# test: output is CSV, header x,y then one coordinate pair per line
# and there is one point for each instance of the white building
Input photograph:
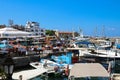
x,y
35,28
9,32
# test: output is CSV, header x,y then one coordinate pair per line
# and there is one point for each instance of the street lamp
x,y
8,67
72,78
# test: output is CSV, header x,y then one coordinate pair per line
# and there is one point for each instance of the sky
x,y
94,17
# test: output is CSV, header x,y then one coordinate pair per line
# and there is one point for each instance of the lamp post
x,y
72,78
8,67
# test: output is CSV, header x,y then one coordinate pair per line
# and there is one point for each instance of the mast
x,y
103,32
73,33
10,22
96,32
81,32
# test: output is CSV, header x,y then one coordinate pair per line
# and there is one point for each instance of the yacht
x,y
89,49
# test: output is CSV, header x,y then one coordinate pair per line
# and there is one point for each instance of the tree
x,y
50,32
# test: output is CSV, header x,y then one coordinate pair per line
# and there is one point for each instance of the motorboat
x,y
89,49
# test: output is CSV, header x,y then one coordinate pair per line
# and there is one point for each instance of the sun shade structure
x,y
88,70
11,32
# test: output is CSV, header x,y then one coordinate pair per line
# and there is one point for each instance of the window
x,y
31,26
36,30
41,33
42,30
36,33
32,30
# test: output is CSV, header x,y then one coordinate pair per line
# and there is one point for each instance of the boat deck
x,y
28,74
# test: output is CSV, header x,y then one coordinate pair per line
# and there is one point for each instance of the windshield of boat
x,y
86,45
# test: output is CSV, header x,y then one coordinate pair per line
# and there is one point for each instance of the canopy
x,y
11,32
88,70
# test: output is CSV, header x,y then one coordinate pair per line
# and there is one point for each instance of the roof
x,y
11,31
88,70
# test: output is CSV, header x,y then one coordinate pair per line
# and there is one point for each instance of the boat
x,y
89,49
50,68
28,74
82,48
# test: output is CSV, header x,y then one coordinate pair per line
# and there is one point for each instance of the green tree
x,y
50,32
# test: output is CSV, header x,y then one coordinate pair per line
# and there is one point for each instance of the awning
x,y
88,70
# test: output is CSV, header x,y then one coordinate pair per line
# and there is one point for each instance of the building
x,y
64,35
35,29
9,32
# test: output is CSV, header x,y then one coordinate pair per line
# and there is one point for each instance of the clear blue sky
x,y
65,15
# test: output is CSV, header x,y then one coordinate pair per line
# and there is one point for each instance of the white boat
x,y
89,49
50,65
102,53
28,74
39,65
